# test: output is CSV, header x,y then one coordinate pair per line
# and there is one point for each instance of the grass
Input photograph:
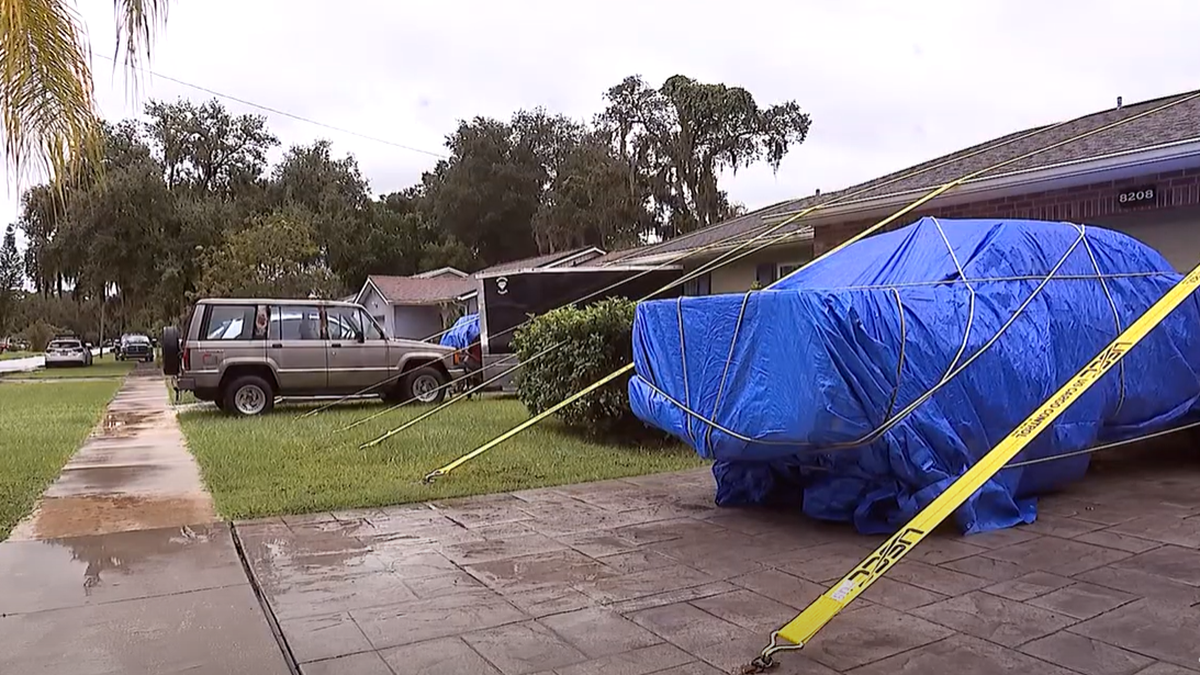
x,y
106,369
277,464
40,427
5,356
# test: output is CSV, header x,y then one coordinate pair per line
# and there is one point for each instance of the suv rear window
x,y
64,344
229,322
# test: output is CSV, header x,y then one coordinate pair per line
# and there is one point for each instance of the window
x,y
764,274
701,285
229,322
374,332
345,323
294,322
785,269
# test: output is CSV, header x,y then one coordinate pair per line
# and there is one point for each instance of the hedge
x,y
592,342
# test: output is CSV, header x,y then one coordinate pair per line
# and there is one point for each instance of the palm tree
x,y
46,100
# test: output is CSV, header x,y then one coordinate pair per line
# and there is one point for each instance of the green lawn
x,y
106,369
277,464
5,356
41,425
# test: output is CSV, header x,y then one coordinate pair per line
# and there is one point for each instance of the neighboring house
x,y
414,307
1142,178
423,305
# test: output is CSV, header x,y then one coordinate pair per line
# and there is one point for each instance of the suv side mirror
x,y
360,336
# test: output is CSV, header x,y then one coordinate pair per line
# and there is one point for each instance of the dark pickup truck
x,y
135,348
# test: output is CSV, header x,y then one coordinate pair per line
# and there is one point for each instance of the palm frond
x,y
47,104
46,97
137,23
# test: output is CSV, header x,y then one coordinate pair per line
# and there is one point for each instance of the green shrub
x,y
39,334
596,340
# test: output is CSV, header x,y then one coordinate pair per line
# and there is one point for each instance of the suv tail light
x,y
187,358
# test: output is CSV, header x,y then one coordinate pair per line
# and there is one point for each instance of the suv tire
x,y
170,351
248,395
426,385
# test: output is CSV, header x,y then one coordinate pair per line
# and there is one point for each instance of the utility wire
x,y
284,113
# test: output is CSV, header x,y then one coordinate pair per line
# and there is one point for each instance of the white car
x,y
67,353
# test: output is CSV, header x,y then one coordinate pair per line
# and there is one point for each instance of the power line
x,y
284,113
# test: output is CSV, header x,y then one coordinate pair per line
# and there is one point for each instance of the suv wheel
x,y
425,385
248,395
171,351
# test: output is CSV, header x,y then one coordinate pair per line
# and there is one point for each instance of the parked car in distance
x,y
243,353
67,352
134,347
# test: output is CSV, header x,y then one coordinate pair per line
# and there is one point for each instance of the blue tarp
x,y
463,333
794,375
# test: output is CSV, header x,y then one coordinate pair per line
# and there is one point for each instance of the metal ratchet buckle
x,y
766,661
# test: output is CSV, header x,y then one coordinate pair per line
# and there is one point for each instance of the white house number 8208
x,y
1134,196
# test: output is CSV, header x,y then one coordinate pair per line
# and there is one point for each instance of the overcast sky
x,y
888,84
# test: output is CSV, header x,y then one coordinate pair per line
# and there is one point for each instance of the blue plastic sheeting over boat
x,y
463,333
860,387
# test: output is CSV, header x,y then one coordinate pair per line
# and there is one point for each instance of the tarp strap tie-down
x,y
737,328
891,421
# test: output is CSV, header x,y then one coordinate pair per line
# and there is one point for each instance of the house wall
x,y
379,308
739,275
417,322
736,277
1171,224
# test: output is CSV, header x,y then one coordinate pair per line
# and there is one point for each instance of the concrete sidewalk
x,y
172,600
121,567
133,472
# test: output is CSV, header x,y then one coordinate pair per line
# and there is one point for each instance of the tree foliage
x,y
184,201
677,139
12,274
272,256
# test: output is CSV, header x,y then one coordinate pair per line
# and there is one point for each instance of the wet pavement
x,y
27,364
133,472
170,600
121,567
645,575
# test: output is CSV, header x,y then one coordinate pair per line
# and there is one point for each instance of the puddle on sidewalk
x,y
73,571
123,424
59,517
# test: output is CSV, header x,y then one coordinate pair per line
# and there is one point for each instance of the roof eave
x,y
1130,161
803,235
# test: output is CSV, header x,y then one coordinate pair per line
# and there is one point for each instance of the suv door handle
x,y
336,344
276,345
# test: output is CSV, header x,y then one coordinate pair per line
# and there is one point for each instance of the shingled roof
x,y
445,284
1173,125
421,290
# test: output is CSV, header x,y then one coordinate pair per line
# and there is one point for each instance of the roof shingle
x,y
422,291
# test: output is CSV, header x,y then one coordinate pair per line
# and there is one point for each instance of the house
x,y
423,305
1141,178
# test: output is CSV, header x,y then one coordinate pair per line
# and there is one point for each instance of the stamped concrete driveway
x,y
644,575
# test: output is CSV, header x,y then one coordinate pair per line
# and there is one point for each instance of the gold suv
x,y
243,353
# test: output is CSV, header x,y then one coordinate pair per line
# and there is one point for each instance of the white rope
x,y
1116,321
970,303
